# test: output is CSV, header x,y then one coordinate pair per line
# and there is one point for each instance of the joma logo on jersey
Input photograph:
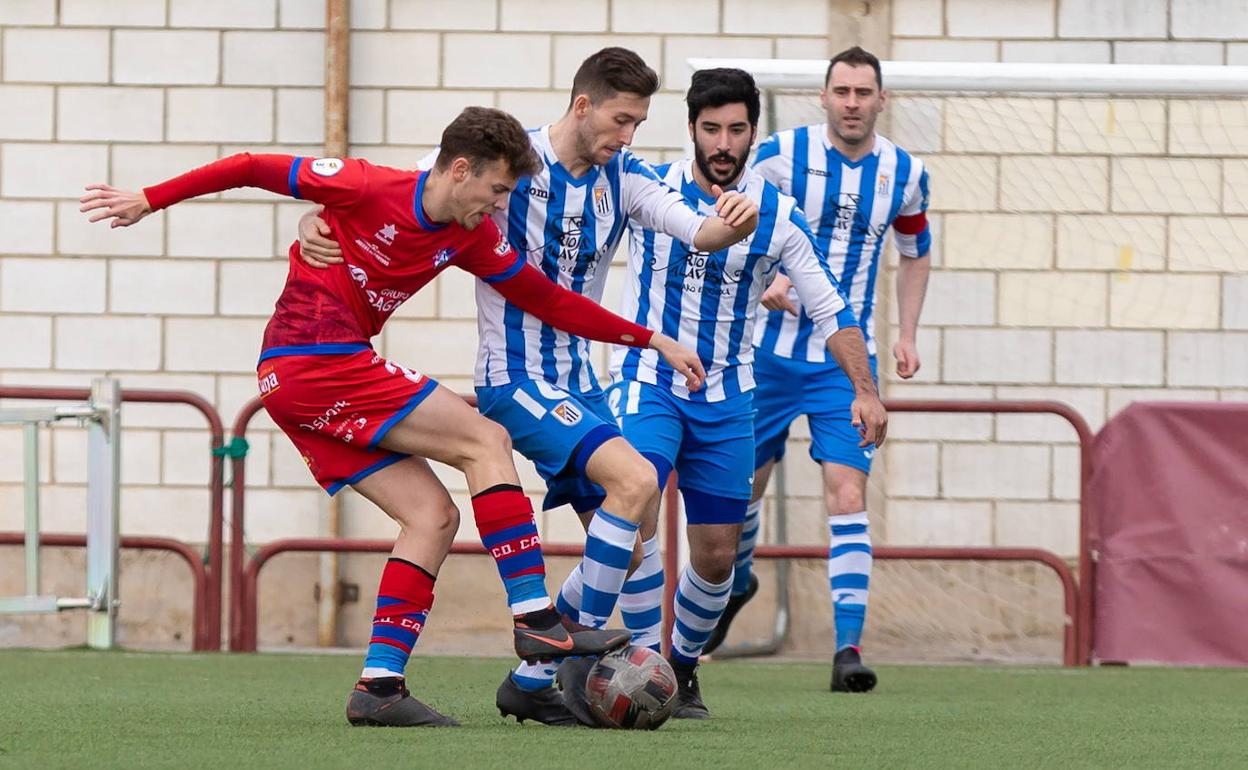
x,y
566,413
538,193
268,382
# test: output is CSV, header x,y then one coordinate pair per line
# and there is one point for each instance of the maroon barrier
x,y
208,621
1171,534
199,576
1077,646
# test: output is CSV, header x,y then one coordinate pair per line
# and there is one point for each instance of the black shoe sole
x,y
855,681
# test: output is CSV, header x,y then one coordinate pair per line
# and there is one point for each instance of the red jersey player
x,y
359,419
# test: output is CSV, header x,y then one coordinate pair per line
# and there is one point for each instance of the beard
x,y
704,165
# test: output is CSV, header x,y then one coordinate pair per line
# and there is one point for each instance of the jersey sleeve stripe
x,y
293,179
510,272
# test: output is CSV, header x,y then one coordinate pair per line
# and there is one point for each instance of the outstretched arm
x,y
338,182
532,292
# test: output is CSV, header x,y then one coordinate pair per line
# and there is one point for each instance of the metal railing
x,y
207,623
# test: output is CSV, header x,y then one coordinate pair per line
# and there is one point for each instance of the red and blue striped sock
x,y
403,601
504,518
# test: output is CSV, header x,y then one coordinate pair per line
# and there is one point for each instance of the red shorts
x,y
337,407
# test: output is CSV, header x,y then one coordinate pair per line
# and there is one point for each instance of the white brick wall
x,y
50,170
221,230
997,355
1112,19
394,59
560,15
223,13
497,60
131,13
28,12
28,342
56,55
1004,18
174,57
162,287
108,342
109,114
28,112
273,58
1109,357
440,14
212,344
52,285
27,227
221,114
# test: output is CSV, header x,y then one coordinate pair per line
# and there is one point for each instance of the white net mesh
x,y
1087,248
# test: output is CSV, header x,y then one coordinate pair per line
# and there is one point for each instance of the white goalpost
x,y
1090,227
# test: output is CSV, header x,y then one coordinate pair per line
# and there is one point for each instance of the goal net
x,y
1090,231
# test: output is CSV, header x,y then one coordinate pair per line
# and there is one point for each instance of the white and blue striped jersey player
x,y
707,301
849,206
537,381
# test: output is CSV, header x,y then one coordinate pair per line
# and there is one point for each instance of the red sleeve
x,y
534,293
491,258
332,181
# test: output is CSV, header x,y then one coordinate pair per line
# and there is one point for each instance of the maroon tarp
x,y
1169,494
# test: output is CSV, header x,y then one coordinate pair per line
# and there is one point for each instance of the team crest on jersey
x,y
327,166
502,247
443,256
602,201
387,234
881,187
567,413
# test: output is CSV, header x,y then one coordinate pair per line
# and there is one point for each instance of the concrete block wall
x,y
1090,256
1090,249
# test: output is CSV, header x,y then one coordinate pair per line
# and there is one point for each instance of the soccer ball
x,y
631,689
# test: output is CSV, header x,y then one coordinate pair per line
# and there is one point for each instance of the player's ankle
x,y
544,618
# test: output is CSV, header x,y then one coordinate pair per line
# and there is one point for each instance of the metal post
x,y
31,431
103,468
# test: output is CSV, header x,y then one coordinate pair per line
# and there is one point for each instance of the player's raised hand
x,y
122,206
870,418
907,354
735,209
682,359
776,297
316,247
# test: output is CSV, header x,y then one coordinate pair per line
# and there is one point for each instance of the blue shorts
x,y
709,444
786,388
558,431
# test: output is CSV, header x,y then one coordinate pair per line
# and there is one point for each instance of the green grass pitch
x,y
77,708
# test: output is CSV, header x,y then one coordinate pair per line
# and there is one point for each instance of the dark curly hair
x,y
483,135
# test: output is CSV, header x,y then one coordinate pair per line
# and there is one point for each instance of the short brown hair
x,y
483,135
856,57
611,71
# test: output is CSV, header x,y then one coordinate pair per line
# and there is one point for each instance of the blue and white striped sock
x,y
532,677
568,602
641,599
608,549
699,604
849,575
745,548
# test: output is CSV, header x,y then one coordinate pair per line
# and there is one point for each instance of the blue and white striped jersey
x,y
850,207
569,228
707,300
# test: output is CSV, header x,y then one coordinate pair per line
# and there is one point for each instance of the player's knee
x,y
634,490
446,519
487,439
846,498
715,560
